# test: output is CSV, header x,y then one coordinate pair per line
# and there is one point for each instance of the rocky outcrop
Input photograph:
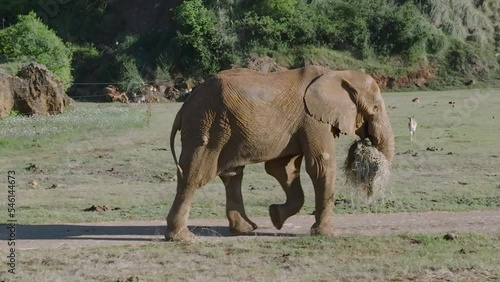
x,y
418,78
6,97
34,91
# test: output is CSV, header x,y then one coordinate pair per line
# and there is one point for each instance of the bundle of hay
x,y
367,168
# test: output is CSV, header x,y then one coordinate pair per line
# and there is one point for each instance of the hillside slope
x,y
404,44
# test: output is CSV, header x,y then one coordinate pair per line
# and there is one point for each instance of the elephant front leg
x,y
321,169
235,210
287,172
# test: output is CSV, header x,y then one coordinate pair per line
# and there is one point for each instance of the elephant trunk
x,y
382,138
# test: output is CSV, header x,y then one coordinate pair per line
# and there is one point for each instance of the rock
x,y
450,236
6,97
96,208
421,82
114,94
34,91
53,186
33,184
470,82
178,93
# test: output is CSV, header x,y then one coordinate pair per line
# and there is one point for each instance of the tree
x,y
194,35
31,40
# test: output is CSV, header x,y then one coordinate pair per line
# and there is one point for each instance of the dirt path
x,y
77,235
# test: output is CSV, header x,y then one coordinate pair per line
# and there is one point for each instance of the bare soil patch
x,y
50,236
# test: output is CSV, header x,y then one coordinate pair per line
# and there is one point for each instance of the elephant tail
x,y
176,127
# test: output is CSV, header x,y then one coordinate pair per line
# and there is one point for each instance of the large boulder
x,y
34,91
6,97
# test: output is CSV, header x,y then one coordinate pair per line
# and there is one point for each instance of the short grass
x,y
107,154
424,257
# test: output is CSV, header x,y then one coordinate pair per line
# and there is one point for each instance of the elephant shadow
x,y
223,231
122,232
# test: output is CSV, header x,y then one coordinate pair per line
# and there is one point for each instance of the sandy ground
x,y
77,235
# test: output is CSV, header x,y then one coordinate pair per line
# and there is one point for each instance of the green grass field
x,y
354,258
108,155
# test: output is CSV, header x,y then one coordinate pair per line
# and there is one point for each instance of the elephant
x,y
240,116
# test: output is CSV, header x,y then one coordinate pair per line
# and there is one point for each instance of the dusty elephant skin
x,y
241,116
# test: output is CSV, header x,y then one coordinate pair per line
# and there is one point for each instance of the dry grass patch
x,y
367,168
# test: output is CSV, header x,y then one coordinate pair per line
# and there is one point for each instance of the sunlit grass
x,y
21,131
471,257
106,155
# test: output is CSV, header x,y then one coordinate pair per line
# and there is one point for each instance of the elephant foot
x,y
242,227
276,218
179,235
322,230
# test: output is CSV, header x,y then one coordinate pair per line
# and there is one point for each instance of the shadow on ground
x,y
118,233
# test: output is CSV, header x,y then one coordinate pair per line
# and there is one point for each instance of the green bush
x,y
396,30
456,39
194,37
469,60
276,9
436,42
343,26
31,40
162,71
130,75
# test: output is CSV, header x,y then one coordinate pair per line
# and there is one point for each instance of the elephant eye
x,y
375,109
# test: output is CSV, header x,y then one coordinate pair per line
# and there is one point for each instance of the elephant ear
x,y
330,99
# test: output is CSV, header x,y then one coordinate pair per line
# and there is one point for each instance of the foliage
x,y
14,113
11,68
464,19
343,27
163,69
130,75
276,9
396,30
9,10
205,36
195,36
30,39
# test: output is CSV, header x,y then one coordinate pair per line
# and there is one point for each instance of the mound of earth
x,y
33,91
417,78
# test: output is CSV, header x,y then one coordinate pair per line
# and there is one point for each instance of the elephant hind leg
x,y
177,228
199,167
287,171
235,210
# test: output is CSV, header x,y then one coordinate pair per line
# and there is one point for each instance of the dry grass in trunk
x,y
368,169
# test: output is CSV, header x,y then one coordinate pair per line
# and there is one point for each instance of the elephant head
x,y
351,102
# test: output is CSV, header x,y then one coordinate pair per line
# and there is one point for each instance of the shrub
x,y
162,72
31,40
467,59
395,30
129,75
194,36
436,42
276,9
343,26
